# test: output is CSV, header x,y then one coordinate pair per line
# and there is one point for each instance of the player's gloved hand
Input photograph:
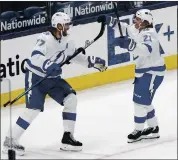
x,y
97,63
101,18
51,68
127,43
110,21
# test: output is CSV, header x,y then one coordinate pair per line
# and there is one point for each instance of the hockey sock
x,y
151,118
69,113
23,122
69,121
140,116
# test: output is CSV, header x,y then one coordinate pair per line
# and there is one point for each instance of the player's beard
x,y
61,34
64,33
67,32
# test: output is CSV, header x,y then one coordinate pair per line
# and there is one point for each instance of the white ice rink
x,y
105,118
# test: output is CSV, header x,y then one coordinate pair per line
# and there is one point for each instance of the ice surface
x,y
105,118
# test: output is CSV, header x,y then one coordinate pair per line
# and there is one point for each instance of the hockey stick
x,y
67,61
117,15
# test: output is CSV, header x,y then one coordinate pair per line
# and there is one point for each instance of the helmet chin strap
x,y
61,31
59,38
139,26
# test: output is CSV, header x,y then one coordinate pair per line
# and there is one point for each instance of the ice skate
x,y
69,143
151,133
135,136
19,149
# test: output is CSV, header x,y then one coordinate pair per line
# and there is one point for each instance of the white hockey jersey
x,y
47,48
146,54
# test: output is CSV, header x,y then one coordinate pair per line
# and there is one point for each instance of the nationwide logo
x,y
5,26
13,67
88,9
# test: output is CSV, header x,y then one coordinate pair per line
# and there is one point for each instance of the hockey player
x,y
142,42
51,49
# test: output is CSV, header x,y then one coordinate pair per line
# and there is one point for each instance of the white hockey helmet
x,y
60,18
145,15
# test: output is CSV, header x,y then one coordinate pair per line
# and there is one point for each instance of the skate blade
x,y
17,152
66,147
152,136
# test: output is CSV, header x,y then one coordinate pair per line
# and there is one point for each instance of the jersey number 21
x,y
147,38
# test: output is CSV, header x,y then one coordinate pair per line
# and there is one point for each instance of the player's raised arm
x,y
87,61
112,22
149,72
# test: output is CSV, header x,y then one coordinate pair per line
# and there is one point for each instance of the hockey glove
x,y
51,68
97,63
110,21
127,43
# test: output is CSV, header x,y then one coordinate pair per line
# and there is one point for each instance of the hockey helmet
x,y
145,15
60,18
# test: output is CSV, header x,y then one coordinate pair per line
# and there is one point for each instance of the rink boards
x,y
120,66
